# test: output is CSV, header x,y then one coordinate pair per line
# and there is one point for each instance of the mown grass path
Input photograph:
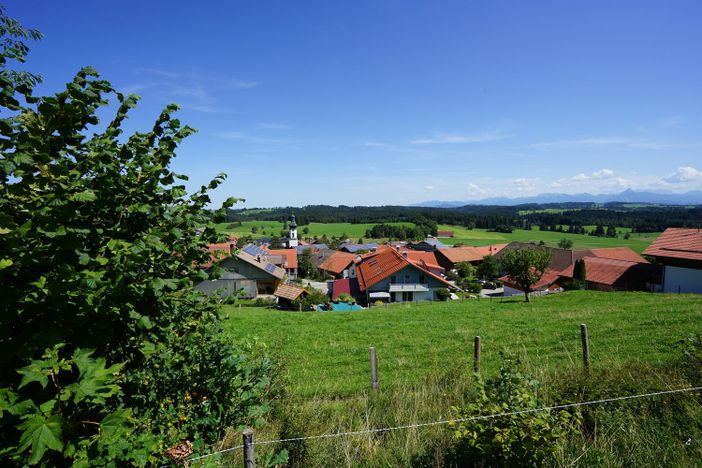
x,y
326,353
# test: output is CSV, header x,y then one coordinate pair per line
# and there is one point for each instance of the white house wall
x,y
682,280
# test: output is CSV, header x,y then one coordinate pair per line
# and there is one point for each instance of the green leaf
x,y
115,422
5,262
34,372
95,381
41,434
86,195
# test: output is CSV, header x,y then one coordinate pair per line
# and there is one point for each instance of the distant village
x,y
372,274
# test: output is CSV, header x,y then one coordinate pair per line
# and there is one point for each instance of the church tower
x,y
292,236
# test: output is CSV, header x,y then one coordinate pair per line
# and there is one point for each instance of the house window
x,y
421,279
407,279
407,296
393,279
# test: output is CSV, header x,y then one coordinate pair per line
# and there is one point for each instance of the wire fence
x,y
453,421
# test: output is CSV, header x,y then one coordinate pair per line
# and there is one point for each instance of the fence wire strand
x,y
450,421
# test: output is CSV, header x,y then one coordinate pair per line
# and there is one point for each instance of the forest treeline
x,y
652,218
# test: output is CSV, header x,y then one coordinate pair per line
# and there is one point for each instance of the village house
x,y
245,275
549,283
338,264
445,234
388,276
679,251
350,247
449,258
606,269
285,259
427,245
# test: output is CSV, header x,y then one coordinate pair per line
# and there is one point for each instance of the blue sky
x,y
396,102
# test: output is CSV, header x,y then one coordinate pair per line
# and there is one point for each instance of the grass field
x,y
326,354
478,237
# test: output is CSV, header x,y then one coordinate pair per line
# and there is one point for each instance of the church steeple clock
x,y
292,235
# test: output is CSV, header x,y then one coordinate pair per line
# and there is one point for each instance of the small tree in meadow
x,y
565,244
526,267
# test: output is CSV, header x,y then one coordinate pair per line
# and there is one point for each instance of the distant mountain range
x,y
627,196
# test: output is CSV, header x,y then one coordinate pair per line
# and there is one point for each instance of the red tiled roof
x,y
549,278
337,262
380,265
289,254
218,252
462,254
681,243
609,271
486,250
619,253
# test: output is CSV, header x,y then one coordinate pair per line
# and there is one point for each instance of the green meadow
x,y
476,237
425,368
326,354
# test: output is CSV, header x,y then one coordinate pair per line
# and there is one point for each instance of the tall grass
x,y
426,368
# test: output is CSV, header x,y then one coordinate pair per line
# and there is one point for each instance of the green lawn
x,y
478,237
326,354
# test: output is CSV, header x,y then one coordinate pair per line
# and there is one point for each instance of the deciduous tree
x,y
107,353
526,266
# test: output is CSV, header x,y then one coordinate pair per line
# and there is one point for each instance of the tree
x,y
489,268
465,270
99,251
611,231
526,267
579,274
565,244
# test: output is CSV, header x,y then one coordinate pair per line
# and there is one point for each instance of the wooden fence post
x,y
374,369
586,346
476,354
249,456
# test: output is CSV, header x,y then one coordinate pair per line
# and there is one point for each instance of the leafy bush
x,y
343,297
107,353
263,302
514,440
307,302
471,286
443,294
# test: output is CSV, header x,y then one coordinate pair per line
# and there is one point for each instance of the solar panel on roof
x,y
270,268
254,250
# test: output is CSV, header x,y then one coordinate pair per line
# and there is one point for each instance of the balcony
x,y
409,287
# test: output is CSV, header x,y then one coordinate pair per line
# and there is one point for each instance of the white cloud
x,y
524,184
428,187
475,189
684,174
444,138
602,174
